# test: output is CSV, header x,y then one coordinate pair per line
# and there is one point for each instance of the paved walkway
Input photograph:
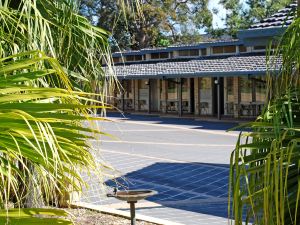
x,y
186,161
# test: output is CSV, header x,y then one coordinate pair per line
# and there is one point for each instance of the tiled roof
x,y
180,46
235,65
283,17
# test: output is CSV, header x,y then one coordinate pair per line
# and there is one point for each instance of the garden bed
x,y
90,217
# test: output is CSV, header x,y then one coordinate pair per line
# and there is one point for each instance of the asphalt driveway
x,y
186,161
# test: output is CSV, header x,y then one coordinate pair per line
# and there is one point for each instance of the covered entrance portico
x,y
227,87
232,96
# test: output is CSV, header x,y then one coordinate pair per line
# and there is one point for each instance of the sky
x,y
217,19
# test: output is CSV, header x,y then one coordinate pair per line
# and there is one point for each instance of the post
x,y
132,212
180,98
149,96
219,98
123,97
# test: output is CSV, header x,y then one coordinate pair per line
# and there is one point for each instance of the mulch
x,y
89,217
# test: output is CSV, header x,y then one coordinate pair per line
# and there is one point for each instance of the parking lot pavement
x,y
186,161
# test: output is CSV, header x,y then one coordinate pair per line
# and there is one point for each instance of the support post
x,y
219,98
149,96
132,212
180,97
136,95
123,97
196,95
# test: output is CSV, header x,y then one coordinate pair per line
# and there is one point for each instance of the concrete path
x,y
186,161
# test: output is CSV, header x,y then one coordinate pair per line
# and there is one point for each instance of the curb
x,y
192,117
121,213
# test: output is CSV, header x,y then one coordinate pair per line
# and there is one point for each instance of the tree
x,y
171,19
264,176
242,14
49,55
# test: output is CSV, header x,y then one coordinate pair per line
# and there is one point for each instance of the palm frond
x,y
42,136
264,179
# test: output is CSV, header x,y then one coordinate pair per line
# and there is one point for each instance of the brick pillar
x,y
196,93
164,96
236,95
136,95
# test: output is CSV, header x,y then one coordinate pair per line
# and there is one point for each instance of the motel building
x,y
218,79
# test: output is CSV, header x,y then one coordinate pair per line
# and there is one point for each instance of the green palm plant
x,y
265,166
49,55
57,29
42,139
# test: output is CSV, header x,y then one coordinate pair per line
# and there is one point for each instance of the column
x,y
236,94
189,95
136,95
149,96
196,94
164,96
179,97
158,94
123,96
219,98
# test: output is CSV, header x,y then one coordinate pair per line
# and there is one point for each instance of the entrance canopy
x,y
241,65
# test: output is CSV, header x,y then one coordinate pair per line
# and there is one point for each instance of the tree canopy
x,y
242,14
163,21
166,22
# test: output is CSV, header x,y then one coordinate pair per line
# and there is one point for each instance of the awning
x,y
202,67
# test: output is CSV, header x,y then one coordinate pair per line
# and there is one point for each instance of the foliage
x,y
55,28
43,140
161,20
242,14
264,179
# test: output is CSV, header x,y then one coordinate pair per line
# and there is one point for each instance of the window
x,y
129,58
246,89
217,50
183,53
116,59
194,52
138,58
172,89
205,93
191,52
259,47
260,89
143,92
163,55
203,51
160,55
127,85
154,55
185,89
229,95
230,49
224,49
242,48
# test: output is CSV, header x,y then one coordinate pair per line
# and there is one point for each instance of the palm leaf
x,y
42,135
264,178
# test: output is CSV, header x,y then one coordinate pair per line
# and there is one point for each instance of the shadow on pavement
x,y
196,187
208,125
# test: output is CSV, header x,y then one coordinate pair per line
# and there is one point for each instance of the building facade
x,y
220,78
